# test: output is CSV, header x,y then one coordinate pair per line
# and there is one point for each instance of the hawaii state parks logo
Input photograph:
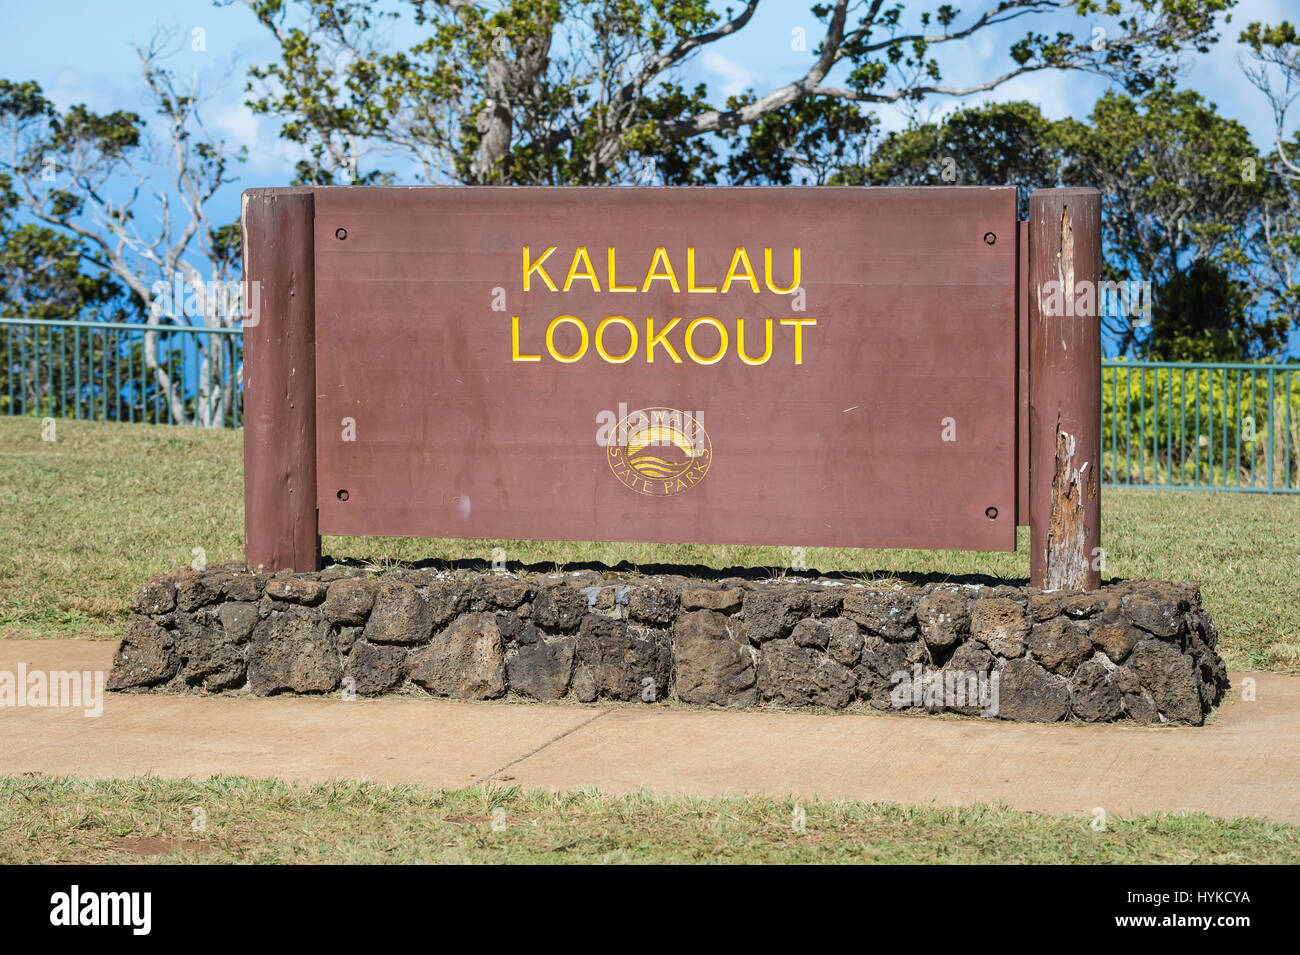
x,y
659,452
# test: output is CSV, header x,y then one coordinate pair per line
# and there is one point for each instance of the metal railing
x,y
113,371
1222,427
1201,426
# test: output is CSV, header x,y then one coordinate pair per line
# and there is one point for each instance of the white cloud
x,y
71,87
735,77
233,123
236,123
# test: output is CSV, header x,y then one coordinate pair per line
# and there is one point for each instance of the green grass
x,y
46,819
89,517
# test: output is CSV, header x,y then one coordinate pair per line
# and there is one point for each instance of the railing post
x,y
1065,388
280,526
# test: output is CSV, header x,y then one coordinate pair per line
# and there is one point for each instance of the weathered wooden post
x,y
280,525
1065,388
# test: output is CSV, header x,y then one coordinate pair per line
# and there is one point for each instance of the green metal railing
x,y
114,371
1207,427
1223,427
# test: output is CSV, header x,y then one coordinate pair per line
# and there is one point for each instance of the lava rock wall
x,y
1139,650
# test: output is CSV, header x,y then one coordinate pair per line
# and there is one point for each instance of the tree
x,y
1001,144
1203,313
1181,208
41,277
1171,173
809,142
83,174
584,91
1274,254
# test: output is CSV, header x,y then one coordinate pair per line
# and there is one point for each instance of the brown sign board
x,y
781,366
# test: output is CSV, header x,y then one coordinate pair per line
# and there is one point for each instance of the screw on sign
x,y
820,333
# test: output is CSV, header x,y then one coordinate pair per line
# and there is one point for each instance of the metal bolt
x,y
990,512
989,238
340,233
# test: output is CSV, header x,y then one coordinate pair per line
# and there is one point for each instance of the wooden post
x,y
280,527
1065,389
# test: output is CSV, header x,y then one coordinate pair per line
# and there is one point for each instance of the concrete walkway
x,y
1246,763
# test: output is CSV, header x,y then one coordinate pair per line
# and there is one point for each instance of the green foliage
x,y
45,141
589,91
1197,427
23,101
1005,144
808,143
1271,253
65,170
111,134
1171,171
1262,36
1202,313
672,162
1273,257
41,276
44,275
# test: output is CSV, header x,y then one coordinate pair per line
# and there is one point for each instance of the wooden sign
x,y
803,366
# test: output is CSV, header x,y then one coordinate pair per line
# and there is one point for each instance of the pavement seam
x,y
537,749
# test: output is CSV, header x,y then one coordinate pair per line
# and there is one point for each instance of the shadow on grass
x,y
697,571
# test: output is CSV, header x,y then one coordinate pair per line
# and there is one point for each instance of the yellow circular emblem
x,y
660,452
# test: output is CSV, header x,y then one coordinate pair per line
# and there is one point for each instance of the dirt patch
x,y
148,846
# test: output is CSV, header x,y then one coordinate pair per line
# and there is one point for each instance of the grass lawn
x,y
47,819
88,518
